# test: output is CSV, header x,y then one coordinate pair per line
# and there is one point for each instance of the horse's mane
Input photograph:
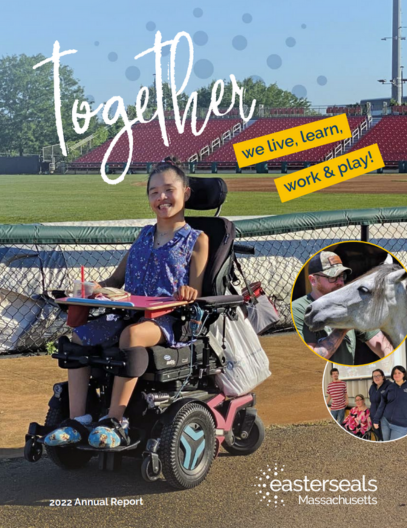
x,y
379,284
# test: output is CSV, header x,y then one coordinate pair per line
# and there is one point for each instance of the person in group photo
x,y
378,387
327,274
358,422
391,414
337,392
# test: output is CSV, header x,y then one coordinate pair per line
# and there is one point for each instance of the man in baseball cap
x,y
326,274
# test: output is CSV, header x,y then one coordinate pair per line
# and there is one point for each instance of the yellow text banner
x,y
292,140
329,173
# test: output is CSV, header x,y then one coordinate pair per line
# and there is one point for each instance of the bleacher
x,y
348,110
225,156
390,133
148,144
399,110
213,150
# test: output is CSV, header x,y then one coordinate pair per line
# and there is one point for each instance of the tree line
x,y
27,120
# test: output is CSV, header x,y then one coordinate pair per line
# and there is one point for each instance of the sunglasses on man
x,y
342,276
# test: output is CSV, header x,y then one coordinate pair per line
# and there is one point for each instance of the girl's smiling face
x,y
167,194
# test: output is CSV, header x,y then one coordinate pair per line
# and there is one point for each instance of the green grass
x,y
31,199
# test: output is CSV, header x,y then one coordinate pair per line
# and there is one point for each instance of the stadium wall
x,y
20,165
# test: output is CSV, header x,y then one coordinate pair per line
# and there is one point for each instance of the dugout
x,y
20,165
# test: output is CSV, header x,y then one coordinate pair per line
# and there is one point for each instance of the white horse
x,y
377,299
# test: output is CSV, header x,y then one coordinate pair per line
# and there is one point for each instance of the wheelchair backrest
x,y
221,233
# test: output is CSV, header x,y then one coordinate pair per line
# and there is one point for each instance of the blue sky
x,y
330,51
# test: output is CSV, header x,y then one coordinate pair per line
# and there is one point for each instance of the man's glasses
x,y
342,276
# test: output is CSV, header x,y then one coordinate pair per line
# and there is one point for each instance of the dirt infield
x,y
293,393
367,184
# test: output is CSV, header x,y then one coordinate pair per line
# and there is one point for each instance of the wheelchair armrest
x,y
220,301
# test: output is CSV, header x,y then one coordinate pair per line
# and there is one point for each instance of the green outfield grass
x,y
56,198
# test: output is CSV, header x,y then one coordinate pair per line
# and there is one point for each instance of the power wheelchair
x,y
178,416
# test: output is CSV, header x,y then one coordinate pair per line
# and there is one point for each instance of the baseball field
x,y
63,198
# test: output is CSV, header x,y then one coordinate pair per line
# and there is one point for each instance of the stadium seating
x,y
349,110
390,133
399,110
226,155
148,143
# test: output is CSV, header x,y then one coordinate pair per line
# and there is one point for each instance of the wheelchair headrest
x,y
206,193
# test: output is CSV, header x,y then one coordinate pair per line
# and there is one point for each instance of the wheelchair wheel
x,y
371,435
246,446
187,446
147,470
65,457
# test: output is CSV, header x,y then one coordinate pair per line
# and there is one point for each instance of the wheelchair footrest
x,y
35,429
119,449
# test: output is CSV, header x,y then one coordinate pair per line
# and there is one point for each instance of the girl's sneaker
x,y
69,432
109,433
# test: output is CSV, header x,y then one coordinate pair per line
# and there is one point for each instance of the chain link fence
x,y
34,260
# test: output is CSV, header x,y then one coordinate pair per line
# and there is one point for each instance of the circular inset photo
x,y
349,303
369,402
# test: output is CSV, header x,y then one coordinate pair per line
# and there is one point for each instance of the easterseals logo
x,y
264,488
272,490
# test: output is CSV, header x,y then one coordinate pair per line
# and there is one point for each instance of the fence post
x,y
365,233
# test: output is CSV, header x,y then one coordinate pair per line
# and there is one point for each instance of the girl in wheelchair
x,y
168,259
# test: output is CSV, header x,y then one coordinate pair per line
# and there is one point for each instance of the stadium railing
x,y
36,259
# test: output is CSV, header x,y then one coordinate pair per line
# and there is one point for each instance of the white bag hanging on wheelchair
x,y
246,363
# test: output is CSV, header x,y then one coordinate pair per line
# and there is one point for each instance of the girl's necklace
x,y
161,235
160,242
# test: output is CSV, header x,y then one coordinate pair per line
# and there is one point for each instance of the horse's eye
x,y
363,289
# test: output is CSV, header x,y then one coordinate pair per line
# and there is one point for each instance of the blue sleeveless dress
x,y
150,272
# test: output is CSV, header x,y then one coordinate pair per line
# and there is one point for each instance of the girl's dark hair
x,y
171,162
377,370
401,369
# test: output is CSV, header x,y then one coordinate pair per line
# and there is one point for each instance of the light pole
x,y
397,83
396,51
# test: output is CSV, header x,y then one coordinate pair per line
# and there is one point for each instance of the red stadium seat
x,y
263,127
148,144
390,133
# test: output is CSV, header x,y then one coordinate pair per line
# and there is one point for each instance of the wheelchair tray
x,y
152,306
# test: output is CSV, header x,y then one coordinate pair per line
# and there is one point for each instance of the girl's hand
x,y
376,426
186,293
